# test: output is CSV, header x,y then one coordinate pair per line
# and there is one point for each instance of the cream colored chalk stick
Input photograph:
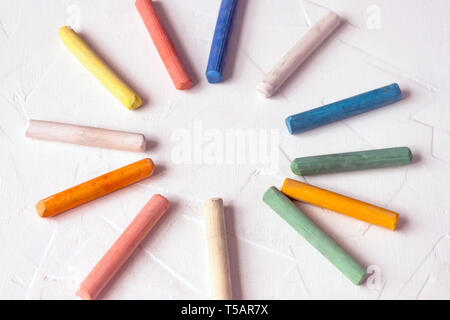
x,y
295,57
219,266
87,136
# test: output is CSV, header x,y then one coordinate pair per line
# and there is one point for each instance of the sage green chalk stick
x,y
287,210
352,161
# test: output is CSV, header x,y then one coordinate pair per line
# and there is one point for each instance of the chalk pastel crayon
x,y
164,45
338,203
298,54
98,68
344,109
121,250
95,188
352,161
217,55
216,236
287,210
86,136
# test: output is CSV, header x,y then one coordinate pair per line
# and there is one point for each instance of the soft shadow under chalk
x,y
234,41
233,253
150,145
402,223
159,170
416,158
406,93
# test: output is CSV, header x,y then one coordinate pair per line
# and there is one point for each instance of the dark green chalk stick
x,y
287,210
352,161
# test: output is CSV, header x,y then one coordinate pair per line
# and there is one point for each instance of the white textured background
x,y
382,42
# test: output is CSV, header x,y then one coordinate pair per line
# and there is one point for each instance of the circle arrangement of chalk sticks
x,y
281,201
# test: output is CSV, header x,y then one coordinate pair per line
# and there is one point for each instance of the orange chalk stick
x,y
94,188
122,249
164,45
339,203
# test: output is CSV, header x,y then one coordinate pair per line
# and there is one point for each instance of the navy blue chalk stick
x,y
214,71
343,109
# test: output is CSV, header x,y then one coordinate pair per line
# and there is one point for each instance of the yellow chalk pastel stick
x,y
339,203
99,69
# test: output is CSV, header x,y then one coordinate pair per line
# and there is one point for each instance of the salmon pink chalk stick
x,y
164,45
122,249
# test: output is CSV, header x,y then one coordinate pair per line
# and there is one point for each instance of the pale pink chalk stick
x,y
86,136
122,249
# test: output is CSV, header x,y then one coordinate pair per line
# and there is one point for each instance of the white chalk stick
x,y
86,136
295,57
216,234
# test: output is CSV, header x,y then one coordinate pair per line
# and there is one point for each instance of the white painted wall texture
x,y
381,42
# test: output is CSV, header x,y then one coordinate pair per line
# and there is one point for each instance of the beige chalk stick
x,y
86,136
295,57
219,265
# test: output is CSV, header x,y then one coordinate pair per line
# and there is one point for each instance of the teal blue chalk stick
x,y
343,109
287,210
